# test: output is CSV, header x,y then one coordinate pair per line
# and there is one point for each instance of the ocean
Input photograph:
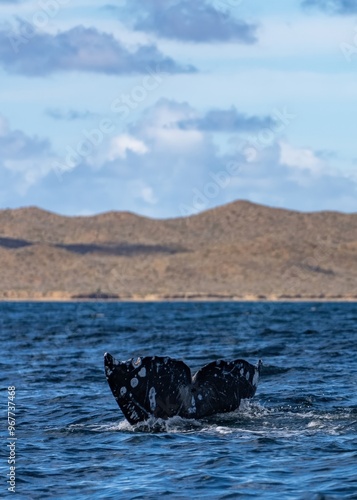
x,y
296,439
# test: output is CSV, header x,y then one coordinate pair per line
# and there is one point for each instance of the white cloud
x,y
147,194
23,159
28,172
121,144
301,158
160,125
175,139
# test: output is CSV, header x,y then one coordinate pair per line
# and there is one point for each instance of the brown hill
x,y
241,250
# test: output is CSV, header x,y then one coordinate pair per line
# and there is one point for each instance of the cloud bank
x,y
157,167
32,53
184,20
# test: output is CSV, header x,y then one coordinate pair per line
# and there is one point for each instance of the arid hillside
x,y
237,251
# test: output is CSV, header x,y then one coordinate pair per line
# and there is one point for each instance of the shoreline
x,y
155,299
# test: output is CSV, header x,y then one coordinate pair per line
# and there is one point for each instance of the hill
x,y
240,250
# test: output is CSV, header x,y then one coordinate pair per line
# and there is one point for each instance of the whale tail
x,y
163,387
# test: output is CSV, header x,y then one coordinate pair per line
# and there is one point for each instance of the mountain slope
x,y
239,250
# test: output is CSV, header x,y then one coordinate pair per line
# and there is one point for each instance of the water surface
x,y
296,439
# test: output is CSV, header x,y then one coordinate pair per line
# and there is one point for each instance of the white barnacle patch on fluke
x,y
255,378
136,362
142,372
200,397
152,398
134,382
134,415
247,375
122,391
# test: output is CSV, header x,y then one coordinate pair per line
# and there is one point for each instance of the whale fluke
x,y
163,387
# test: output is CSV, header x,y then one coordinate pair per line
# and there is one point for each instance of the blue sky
x,y
170,107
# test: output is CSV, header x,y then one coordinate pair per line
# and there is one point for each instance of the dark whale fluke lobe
x,y
163,387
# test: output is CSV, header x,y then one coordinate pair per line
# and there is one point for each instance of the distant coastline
x,y
236,252
178,298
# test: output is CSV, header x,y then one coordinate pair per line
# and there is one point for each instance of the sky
x,y
167,108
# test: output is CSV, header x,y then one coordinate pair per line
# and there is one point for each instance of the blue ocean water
x,y
295,440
